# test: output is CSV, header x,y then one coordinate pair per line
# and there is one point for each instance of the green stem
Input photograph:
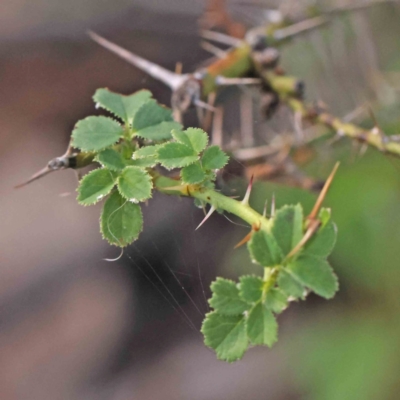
x,y
218,200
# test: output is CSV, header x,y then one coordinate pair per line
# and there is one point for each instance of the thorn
x,y
156,71
216,51
209,114
212,209
273,206
200,116
55,164
178,68
34,177
177,115
264,214
298,125
203,104
323,193
246,198
221,38
244,240
217,127
223,81
376,130
363,149
300,28
312,228
254,228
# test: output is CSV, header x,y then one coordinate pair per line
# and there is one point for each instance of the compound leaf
x,y
161,131
95,185
121,221
262,327
316,274
176,155
225,299
193,173
111,159
264,249
287,227
226,335
135,184
214,158
251,288
194,138
121,106
96,133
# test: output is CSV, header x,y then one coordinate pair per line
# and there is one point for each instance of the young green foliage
x,y
243,313
123,107
287,277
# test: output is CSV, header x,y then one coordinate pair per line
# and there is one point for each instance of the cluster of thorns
x,y
252,58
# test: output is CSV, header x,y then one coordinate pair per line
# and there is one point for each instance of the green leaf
x,y
322,242
225,299
161,131
316,274
147,162
226,335
96,133
262,327
251,288
146,151
214,158
264,249
194,138
289,285
276,300
121,221
111,159
135,184
121,106
287,227
95,185
149,114
176,155
193,174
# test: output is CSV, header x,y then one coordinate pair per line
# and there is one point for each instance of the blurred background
x,y
73,326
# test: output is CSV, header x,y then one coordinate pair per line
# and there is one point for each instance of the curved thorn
x,y
156,71
212,209
244,240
